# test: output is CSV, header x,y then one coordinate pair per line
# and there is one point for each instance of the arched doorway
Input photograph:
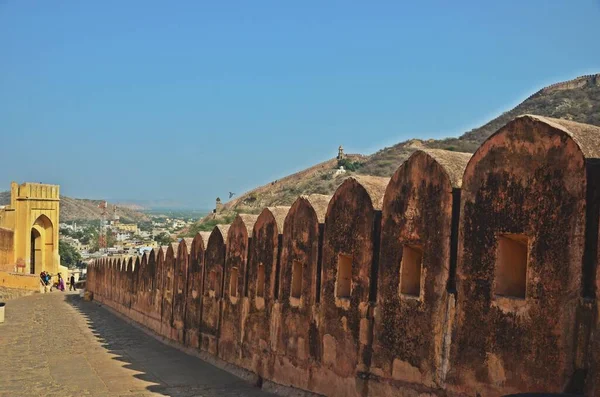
x,y
42,245
36,253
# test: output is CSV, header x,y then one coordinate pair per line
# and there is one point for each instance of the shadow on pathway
x,y
169,371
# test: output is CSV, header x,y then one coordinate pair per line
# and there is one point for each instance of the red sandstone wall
x,y
256,318
298,347
214,260
349,230
230,332
417,212
167,296
527,179
194,293
180,290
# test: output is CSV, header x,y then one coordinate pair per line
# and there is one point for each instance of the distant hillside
x,y
577,99
83,209
316,179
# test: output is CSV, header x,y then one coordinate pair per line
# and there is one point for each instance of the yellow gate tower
x,y
32,216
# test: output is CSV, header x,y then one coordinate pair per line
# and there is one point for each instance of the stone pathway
x,y
58,345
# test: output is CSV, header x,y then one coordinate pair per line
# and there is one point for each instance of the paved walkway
x,y
58,345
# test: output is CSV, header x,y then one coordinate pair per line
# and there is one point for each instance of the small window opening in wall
x,y
296,279
344,276
233,282
511,266
410,270
260,282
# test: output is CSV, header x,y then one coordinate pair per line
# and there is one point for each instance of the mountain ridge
x,y
75,209
577,99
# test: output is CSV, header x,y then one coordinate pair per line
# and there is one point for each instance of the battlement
x,y
459,276
31,190
581,81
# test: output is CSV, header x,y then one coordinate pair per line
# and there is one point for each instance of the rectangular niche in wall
x,y
511,266
233,282
410,271
344,276
260,282
296,279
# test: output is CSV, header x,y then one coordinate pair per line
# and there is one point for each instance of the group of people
x,y
47,281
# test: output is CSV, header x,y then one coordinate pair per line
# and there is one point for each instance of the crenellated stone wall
x,y
460,276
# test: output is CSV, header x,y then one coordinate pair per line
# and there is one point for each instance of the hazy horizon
x,y
181,103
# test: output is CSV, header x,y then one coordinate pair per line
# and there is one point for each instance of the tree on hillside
x,y
163,239
69,256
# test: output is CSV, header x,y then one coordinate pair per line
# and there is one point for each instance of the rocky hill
x,y
72,209
577,99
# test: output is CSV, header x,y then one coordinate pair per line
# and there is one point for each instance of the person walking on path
x,y
61,283
72,283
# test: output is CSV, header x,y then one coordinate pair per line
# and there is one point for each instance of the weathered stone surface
x,y
417,214
528,179
485,288
180,289
214,261
297,340
347,243
167,290
238,241
194,293
261,291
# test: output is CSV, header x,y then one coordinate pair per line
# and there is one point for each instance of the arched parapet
x,y
135,274
136,270
107,279
414,268
143,276
115,285
297,346
194,293
238,241
127,291
262,266
521,244
121,280
100,291
142,289
262,284
214,263
168,284
347,277
156,261
180,280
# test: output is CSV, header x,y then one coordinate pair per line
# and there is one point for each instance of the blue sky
x,y
185,101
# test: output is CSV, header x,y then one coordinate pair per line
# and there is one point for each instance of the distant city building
x,y
126,227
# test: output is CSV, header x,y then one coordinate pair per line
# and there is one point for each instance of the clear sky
x,y
188,100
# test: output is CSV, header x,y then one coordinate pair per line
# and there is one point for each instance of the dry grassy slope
x,y
83,209
577,99
316,179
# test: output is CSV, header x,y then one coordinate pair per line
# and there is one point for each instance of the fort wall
x,y
7,254
460,276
